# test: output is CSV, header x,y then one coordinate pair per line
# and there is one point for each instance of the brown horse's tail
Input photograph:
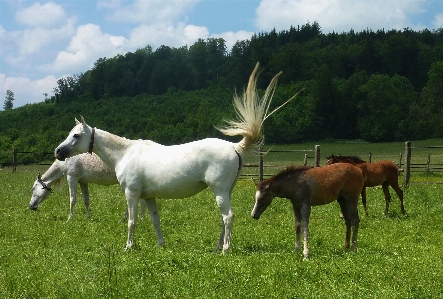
x,y
365,176
251,111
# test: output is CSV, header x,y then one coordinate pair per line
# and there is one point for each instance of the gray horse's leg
x,y
72,195
155,218
85,194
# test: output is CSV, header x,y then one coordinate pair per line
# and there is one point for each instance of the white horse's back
x,y
179,171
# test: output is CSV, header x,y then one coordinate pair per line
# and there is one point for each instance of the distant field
x,y
43,256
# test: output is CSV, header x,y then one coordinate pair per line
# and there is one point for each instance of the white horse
x,y
81,169
179,171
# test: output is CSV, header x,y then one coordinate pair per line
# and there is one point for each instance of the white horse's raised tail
x,y
179,171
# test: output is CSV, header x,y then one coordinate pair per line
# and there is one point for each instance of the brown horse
x,y
383,173
306,187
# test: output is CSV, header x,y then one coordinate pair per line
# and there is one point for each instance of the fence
x,y
15,162
408,166
427,166
261,166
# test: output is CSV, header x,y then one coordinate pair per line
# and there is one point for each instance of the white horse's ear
x,y
76,121
39,177
82,120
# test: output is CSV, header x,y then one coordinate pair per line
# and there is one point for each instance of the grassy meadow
x,y
43,256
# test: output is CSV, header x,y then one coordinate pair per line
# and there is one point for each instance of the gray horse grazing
x,y
81,169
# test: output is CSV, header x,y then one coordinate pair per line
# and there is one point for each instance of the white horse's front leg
x,y
85,194
155,218
223,203
132,201
72,195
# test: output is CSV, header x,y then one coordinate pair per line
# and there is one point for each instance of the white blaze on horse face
x,y
254,213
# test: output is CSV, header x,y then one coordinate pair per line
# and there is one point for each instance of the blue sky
x,y
41,42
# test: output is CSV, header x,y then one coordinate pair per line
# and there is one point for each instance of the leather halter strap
x,y
44,186
91,144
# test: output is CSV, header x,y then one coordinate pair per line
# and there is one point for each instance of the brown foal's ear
x,y
255,182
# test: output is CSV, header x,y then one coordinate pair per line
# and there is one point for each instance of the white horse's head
x,y
78,141
40,191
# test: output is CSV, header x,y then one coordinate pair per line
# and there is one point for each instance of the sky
x,y
41,42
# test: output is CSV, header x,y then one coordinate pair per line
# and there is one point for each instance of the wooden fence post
x,y
399,160
260,164
317,156
370,157
407,162
428,162
14,159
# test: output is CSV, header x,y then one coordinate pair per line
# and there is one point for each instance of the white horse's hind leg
x,y
223,202
143,204
155,218
85,193
72,195
132,217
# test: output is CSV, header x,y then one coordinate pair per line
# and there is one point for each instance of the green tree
x,y
9,99
429,114
384,108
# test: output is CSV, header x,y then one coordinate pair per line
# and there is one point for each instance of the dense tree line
x,y
372,85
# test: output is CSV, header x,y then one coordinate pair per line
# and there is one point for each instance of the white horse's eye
x,y
76,135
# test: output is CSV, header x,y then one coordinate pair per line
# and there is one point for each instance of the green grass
x,y
43,256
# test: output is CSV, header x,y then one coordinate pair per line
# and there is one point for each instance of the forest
x,y
375,86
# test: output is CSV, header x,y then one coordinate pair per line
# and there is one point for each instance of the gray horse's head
x,y
77,142
40,191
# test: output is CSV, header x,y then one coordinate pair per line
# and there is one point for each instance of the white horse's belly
x,y
171,190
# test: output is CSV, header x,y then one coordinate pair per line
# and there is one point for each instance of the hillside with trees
x,y
371,85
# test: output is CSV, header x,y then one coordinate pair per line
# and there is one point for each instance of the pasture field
x,y
43,256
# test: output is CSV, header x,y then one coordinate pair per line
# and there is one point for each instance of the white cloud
x,y
48,26
147,11
86,46
438,21
337,15
48,15
27,91
166,34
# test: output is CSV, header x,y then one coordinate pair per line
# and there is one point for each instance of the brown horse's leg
x,y
297,218
385,186
345,212
305,214
363,200
396,187
355,223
